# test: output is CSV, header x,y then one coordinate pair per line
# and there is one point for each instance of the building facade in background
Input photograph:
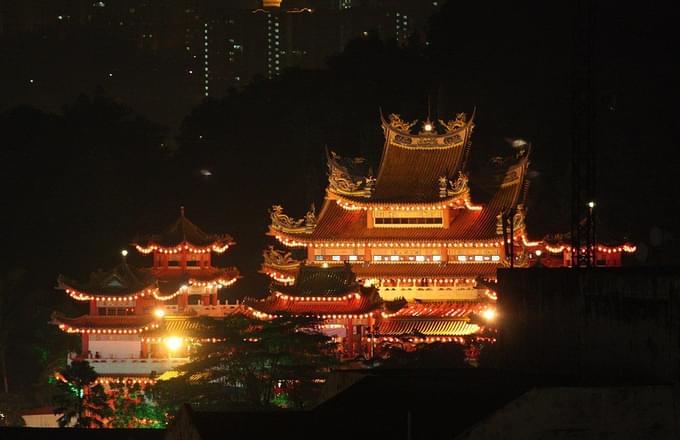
x,y
224,44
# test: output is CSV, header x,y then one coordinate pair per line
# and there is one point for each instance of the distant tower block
x,y
271,3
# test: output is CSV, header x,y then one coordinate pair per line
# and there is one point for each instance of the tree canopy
x,y
252,365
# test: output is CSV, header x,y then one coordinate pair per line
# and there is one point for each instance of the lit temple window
x,y
394,258
462,258
377,258
352,258
495,258
436,258
479,258
336,258
420,258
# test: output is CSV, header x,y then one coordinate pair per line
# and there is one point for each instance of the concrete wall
x,y
583,413
612,322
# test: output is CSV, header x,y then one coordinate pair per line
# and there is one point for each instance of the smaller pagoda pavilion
x,y
349,310
138,317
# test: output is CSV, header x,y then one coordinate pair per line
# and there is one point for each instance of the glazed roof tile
x,y
339,224
411,270
104,322
122,280
170,280
183,231
319,281
276,305
427,327
412,164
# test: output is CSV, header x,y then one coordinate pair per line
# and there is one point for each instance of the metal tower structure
x,y
582,152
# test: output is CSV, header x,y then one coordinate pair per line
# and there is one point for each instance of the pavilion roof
x,y
122,280
105,324
412,164
320,306
426,327
183,231
315,281
440,309
170,280
336,223
425,270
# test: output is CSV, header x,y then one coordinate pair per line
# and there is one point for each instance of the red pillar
x,y
350,337
182,301
85,343
144,350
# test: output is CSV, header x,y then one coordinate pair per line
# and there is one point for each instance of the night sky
x,y
90,160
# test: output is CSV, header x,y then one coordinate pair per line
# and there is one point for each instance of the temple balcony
x,y
431,293
134,367
219,310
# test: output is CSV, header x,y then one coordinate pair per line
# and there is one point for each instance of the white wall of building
x,y
115,346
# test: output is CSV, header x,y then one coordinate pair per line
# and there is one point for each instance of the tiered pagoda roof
x,y
414,175
321,291
432,154
183,234
440,319
171,280
123,282
133,324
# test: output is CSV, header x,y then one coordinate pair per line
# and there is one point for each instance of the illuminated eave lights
x,y
354,244
604,249
116,331
281,278
456,202
430,339
351,296
81,296
216,284
264,315
182,247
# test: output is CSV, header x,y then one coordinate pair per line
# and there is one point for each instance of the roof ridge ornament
x,y
279,259
343,181
455,124
398,124
450,188
285,223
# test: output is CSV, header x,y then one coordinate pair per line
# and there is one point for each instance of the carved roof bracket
x,y
285,223
454,188
278,259
350,176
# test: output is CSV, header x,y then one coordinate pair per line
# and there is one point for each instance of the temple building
x,y
415,232
333,294
137,323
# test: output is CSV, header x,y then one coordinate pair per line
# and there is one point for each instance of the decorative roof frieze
x,y
349,177
279,260
518,224
454,188
284,223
